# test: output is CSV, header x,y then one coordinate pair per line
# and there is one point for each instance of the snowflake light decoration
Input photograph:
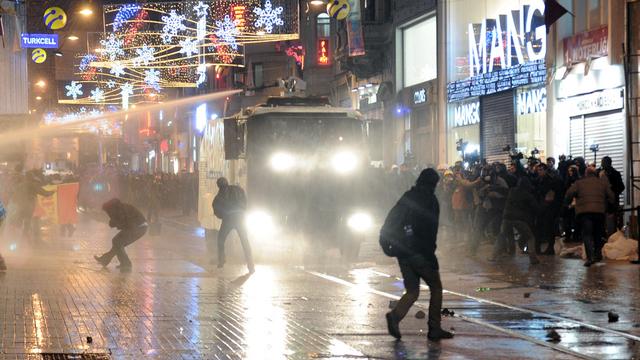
x,y
97,95
227,32
268,17
201,9
145,55
112,46
202,74
86,61
152,78
173,24
125,13
111,84
126,90
117,68
95,112
189,47
74,89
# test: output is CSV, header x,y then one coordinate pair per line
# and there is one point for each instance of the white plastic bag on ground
x,y
618,247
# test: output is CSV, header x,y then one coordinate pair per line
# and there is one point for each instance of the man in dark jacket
x,y
132,226
550,196
419,259
617,186
30,186
519,212
230,205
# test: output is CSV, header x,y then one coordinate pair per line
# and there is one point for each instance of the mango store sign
x,y
504,52
467,113
45,41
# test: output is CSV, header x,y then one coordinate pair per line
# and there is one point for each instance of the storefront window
x,y
419,52
463,135
323,22
531,123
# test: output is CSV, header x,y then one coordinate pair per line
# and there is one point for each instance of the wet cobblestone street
x,y
176,305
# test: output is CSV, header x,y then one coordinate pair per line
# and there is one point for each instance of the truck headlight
x,y
260,222
360,222
344,162
282,162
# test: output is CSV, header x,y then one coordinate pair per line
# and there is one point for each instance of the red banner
x,y
587,45
67,203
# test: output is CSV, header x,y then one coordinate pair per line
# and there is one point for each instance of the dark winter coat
x,y
615,179
423,212
521,204
230,201
592,195
123,216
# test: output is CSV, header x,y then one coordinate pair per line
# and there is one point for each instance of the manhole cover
x,y
62,356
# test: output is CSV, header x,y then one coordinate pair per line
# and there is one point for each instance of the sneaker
x,y
439,334
393,326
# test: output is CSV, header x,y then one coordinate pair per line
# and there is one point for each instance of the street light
x,y
86,12
317,2
58,53
41,84
38,97
73,37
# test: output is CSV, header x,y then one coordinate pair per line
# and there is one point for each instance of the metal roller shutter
x,y
497,125
604,129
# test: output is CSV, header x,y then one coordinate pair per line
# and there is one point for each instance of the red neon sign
x,y
323,52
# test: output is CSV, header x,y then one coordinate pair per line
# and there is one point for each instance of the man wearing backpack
x,y
409,233
230,205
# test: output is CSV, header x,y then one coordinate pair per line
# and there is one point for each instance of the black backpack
x,y
393,236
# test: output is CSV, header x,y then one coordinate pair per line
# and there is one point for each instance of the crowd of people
x,y
541,202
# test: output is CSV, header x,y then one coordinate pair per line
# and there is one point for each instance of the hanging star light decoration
x,y
188,47
111,84
86,61
117,68
97,95
268,17
152,78
145,55
74,89
112,47
201,9
227,31
173,24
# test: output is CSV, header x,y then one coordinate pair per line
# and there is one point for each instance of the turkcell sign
x,y
45,41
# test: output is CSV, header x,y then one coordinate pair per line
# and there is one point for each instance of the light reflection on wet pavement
x,y
175,305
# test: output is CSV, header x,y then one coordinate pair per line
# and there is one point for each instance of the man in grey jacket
x,y
592,195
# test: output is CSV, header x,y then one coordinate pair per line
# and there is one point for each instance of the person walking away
x,y
592,195
230,205
420,225
132,226
519,213
617,186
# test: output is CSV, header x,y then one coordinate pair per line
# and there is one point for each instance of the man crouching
x,y
132,226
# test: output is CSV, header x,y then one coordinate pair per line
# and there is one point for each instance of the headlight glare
x,y
360,222
282,162
260,222
344,162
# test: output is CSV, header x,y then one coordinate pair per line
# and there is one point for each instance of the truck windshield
x,y
304,132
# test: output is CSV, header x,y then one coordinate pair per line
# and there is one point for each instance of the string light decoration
x,y
74,89
150,46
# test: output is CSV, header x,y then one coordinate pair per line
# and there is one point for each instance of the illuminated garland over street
x,y
149,46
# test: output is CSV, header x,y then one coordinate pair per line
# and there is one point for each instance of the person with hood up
x,y
230,205
418,259
132,226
